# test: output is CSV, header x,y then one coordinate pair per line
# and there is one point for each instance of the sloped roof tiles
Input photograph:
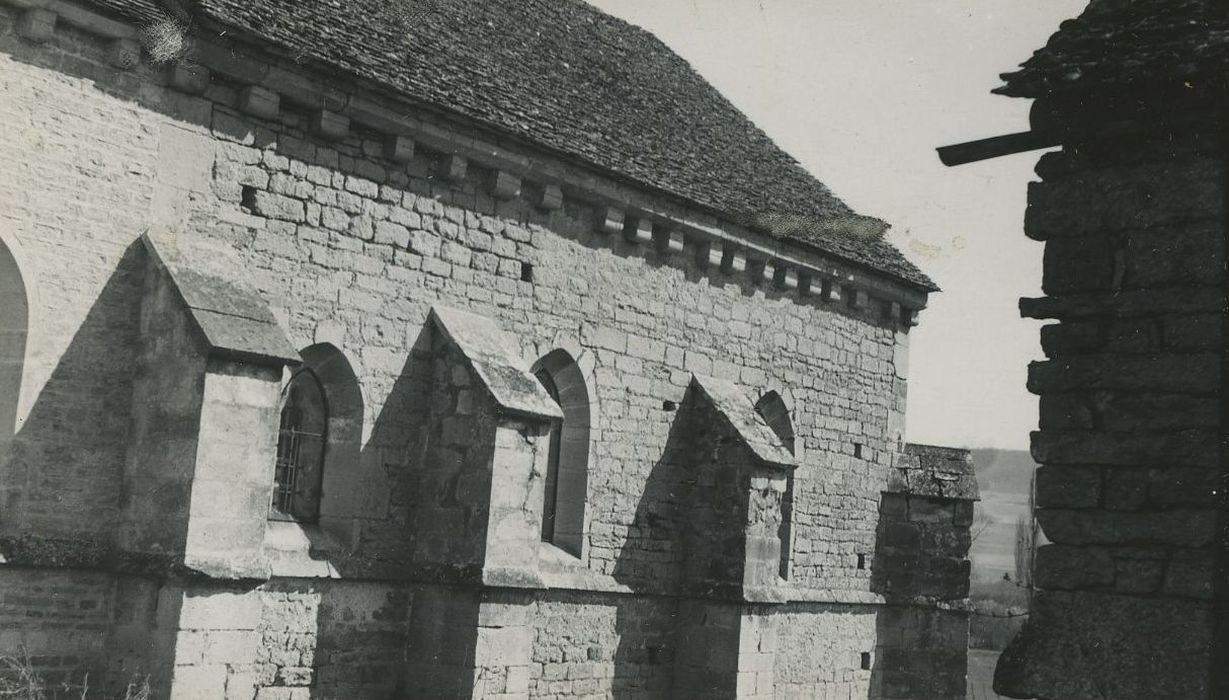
x,y
564,75
1115,43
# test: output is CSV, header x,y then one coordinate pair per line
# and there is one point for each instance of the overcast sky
x,y
861,92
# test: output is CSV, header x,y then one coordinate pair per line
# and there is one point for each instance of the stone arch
x,y
773,409
343,399
14,329
567,477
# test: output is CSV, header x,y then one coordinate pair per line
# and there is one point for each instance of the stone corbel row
x,y
762,267
512,175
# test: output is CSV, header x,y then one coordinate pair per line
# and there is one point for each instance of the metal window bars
x,y
289,466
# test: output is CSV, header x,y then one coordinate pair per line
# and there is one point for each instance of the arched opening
x,y
319,438
301,441
339,495
14,325
775,413
567,475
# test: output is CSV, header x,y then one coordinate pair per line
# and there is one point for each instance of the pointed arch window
x,y
302,437
567,475
775,413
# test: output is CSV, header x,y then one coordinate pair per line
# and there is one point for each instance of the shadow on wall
x,y
651,561
920,557
61,476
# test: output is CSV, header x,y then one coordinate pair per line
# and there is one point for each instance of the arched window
x,y
301,441
775,413
567,474
14,322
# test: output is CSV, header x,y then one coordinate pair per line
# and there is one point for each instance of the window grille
x,y
300,451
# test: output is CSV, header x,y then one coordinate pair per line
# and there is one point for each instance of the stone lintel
x,y
330,125
732,403
233,320
399,148
259,102
37,24
188,77
492,355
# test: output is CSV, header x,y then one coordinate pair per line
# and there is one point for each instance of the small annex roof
x,y
1115,43
233,320
935,472
732,403
492,355
566,76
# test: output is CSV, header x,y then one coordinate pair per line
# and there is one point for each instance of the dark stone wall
x,y
1130,422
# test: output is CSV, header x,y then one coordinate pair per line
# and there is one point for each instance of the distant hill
x,y
1003,471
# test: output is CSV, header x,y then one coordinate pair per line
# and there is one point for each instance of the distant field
x,y
993,552
981,674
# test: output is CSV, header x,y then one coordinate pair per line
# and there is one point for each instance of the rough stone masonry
x,y
336,362
1131,488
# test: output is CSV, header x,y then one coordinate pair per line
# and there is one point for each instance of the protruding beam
x,y
452,167
331,125
639,231
858,298
552,198
734,261
995,147
505,185
668,241
831,291
125,54
399,149
187,77
767,273
259,102
806,285
610,220
786,278
37,24
709,254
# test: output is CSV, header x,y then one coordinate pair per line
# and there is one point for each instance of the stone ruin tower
x,y
1131,442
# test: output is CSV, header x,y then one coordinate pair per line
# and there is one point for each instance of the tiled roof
x,y
1114,43
565,75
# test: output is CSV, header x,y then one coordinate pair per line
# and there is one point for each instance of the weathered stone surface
x,y
1180,528
1190,374
1068,487
1089,645
492,355
1079,265
1194,448
746,422
233,320
1073,568
1117,199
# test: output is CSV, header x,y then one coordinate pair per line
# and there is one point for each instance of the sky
x,y
861,92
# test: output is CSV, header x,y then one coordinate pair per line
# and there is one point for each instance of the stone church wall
x,y
352,244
